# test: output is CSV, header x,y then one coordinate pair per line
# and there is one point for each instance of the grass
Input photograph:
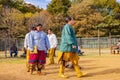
x,y
17,60
88,53
12,60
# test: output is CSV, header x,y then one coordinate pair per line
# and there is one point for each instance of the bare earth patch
x,y
104,67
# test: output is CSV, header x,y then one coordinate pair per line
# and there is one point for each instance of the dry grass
x,y
104,67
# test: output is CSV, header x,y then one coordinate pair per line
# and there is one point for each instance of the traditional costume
x,y
67,52
26,43
40,43
53,44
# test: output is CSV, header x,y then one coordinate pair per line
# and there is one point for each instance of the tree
x,y
76,1
58,6
107,6
6,3
42,17
58,9
12,15
86,18
20,5
57,23
91,14
14,20
110,9
24,8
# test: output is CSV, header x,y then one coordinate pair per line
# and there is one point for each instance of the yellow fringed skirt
x,y
68,56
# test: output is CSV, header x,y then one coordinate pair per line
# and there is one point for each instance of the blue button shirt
x,y
38,39
27,40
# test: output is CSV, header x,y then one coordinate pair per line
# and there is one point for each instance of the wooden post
x,y
110,42
99,42
4,29
5,41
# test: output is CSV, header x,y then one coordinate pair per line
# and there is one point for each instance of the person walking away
x,y
53,45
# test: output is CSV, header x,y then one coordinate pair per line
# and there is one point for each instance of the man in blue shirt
x,y
38,46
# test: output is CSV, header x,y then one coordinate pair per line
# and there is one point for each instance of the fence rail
x,y
91,42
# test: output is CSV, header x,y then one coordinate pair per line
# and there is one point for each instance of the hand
x,y
31,51
74,47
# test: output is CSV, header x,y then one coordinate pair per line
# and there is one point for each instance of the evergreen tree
x,y
76,1
59,6
110,9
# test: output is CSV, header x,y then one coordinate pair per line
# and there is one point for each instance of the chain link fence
x,y
6,43
91,42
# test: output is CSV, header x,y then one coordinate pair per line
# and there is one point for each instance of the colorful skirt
x,y
68,56
39,58
27,57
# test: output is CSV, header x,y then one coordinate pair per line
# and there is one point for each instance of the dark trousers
x,y
11,52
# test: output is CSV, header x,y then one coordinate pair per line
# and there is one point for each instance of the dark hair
x,y
50,29
38,25
68,19
33,28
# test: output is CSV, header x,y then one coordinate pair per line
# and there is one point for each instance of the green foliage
x,y
20,5
15,14
86,18
89,15
110,6
6,2
76,1
110,9
28,8
58,6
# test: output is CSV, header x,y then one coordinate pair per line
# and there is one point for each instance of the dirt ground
x,y
104,67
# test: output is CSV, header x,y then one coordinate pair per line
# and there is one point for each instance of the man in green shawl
x,y
68,49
